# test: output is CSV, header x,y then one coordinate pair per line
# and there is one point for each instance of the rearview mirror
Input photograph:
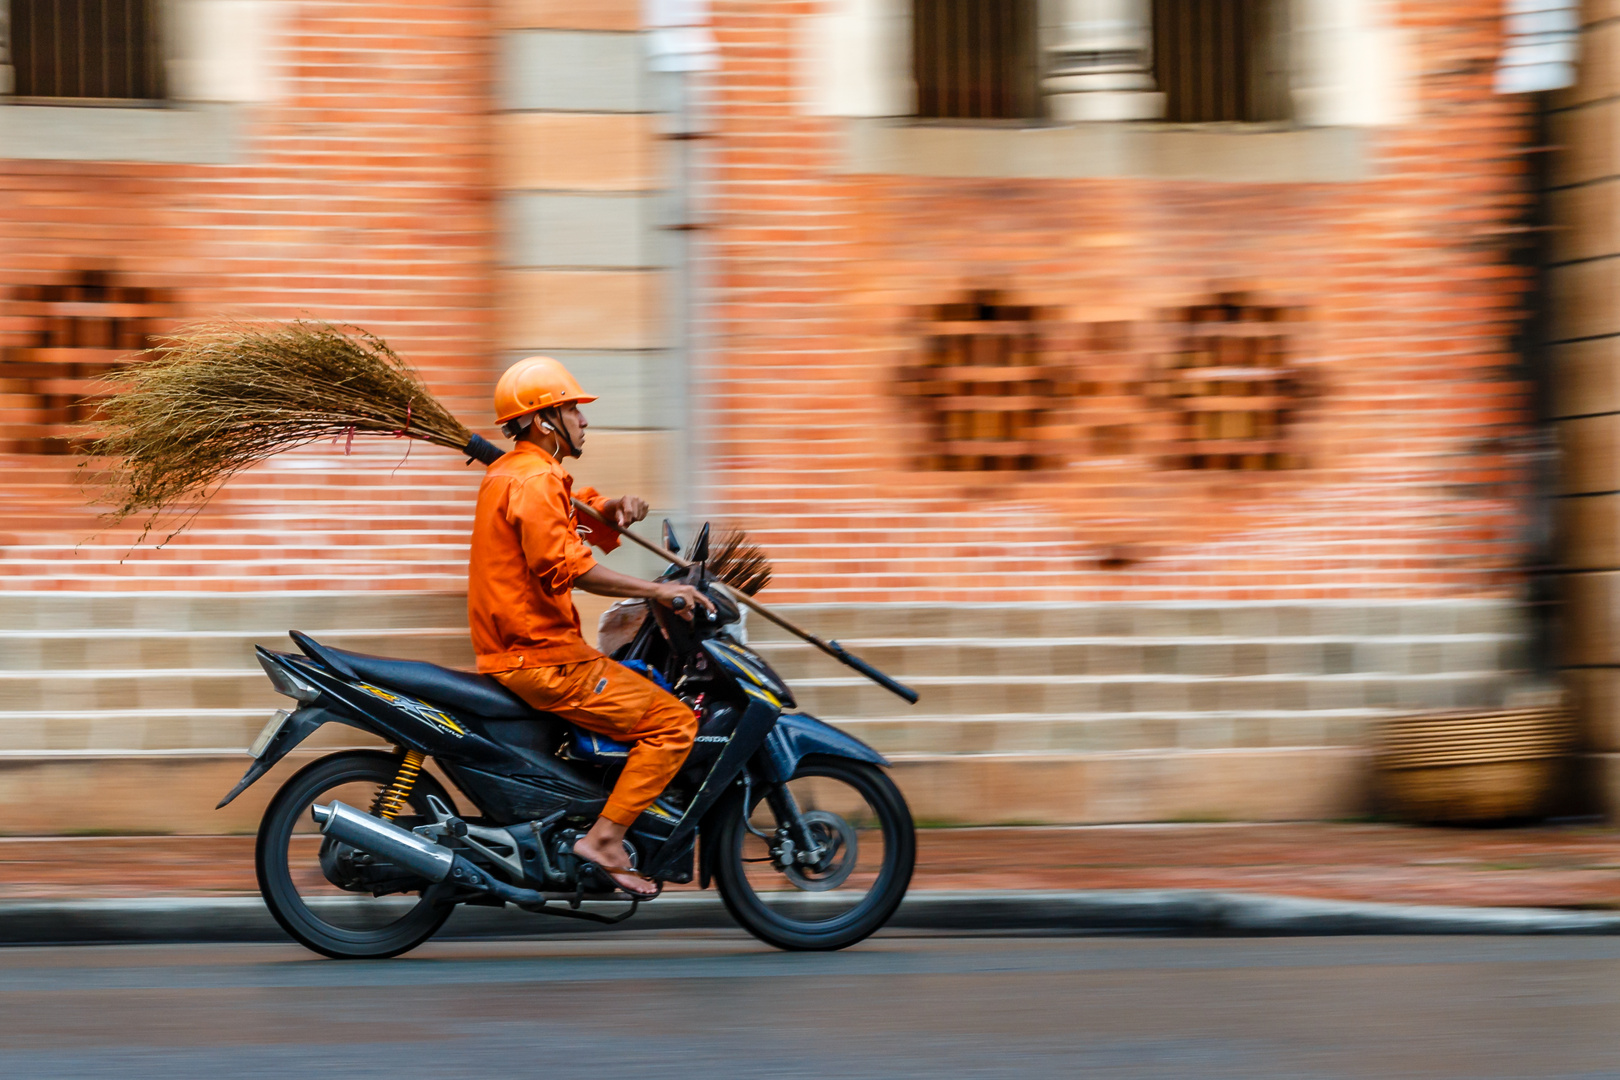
x,y
672,545
700,546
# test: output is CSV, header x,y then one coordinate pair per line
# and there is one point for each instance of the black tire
x,y
788,929
290,809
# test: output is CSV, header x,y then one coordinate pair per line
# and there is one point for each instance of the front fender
x,y
299,726
797,735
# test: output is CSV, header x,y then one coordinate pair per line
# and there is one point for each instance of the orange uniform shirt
x,y
526,555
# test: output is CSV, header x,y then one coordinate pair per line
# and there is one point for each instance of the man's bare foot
x,y
604,846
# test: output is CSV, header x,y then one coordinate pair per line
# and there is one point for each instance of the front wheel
x,y
296,863
852,880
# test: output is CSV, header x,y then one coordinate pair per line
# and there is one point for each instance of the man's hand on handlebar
x,y
682,599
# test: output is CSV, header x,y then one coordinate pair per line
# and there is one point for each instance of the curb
x,y
1193,912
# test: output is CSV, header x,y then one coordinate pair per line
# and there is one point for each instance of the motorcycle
x,y
362,853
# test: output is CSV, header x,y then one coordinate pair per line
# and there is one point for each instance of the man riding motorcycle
x,y
527,556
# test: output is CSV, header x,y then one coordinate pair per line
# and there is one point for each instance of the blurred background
x,y
1178,393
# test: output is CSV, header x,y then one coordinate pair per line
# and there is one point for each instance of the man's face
x,y
575,421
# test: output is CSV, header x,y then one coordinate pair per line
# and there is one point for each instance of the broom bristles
x,y
740,563
214,398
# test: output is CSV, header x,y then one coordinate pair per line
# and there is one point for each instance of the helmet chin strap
x,y
551,420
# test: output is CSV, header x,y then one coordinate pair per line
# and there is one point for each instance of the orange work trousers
x,y
608,698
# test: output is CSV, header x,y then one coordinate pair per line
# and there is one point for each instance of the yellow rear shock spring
x,y
391,801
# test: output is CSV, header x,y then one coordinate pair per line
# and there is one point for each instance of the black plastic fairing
x,y
748,667
406,721
505,797
464,691
756,723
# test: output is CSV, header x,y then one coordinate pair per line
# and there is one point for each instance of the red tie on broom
x,y
215,398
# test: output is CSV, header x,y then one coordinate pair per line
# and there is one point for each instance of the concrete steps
x,y
268,613
844,698
76,654
1076,733
1040,712
118,730
1214,657
957,695
229,729
1293,620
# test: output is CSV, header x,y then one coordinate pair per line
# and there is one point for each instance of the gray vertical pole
x,y
681,45
683,305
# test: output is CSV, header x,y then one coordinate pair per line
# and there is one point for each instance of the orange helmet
x,y
537,382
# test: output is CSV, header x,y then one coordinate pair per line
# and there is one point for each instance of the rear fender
x,y
298,727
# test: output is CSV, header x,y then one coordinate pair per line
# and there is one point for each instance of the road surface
x,y
719,1005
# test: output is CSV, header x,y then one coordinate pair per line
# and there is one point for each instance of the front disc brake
x,y
840,850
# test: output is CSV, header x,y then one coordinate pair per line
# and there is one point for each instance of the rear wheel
x,y
338,922
867,845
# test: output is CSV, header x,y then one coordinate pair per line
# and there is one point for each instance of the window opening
x,y
75,331
86,50
987,386
1221,60
975,59
1231,386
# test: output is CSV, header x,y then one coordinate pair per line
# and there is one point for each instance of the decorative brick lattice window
x,y
70,334
988,382
1230,386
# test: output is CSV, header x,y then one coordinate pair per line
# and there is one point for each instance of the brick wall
x,y
358,194
366,192
1400,286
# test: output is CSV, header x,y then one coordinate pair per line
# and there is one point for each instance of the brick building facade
x,y
364,189
328,160
1173,453
1389,287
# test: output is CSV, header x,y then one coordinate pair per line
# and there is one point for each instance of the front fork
x,y
793,844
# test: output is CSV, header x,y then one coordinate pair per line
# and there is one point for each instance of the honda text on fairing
x,y
364,853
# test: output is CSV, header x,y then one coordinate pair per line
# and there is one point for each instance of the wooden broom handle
x,y
832,648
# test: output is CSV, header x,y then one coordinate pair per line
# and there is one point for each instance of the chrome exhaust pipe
x,y
385,840
435,862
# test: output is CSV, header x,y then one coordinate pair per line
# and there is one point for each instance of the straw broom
x,y
214,398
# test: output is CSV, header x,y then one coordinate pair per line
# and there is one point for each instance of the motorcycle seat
x,y
463,691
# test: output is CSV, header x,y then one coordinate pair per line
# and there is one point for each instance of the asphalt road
x,y
718,1005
